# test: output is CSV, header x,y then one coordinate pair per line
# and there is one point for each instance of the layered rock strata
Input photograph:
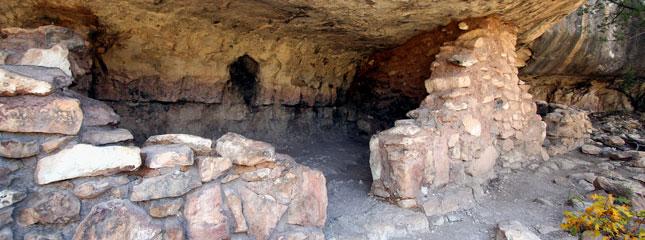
x,y
477,115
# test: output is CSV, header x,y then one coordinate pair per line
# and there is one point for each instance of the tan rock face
x,y
477,112
49,114
302,60
594,94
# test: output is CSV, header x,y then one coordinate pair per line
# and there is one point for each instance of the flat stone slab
x,y
198,144
33,80
158,156
98,136
173,184
244,151
83,160
48,114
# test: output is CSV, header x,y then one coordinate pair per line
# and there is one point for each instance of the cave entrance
x,y
243,72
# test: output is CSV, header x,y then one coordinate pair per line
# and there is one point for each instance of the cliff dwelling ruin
x,y
295,120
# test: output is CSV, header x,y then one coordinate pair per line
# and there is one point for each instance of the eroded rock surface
x,y
118,219
48,114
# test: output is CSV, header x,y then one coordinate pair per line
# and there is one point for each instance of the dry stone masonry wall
x,y
477,116
67,172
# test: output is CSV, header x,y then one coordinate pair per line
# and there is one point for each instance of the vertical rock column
x,y
477,112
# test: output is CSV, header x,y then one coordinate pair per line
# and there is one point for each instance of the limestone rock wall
x,y
578,63
477,112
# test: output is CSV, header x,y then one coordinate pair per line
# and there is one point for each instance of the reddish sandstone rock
x,y
309,206
171,184
159,156
262,213
49,207
117,220
203,212
211,168
243,151
49,114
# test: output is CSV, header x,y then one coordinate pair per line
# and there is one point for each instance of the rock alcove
x,y
417,105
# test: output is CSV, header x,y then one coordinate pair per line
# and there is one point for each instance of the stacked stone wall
x,y
477,115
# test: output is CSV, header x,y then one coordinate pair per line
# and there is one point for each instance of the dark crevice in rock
x,y
243,74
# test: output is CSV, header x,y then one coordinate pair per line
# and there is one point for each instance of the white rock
x,y
514,230
199,145
84,160
54,57
244,151
472,125
212,167
158,156
22,79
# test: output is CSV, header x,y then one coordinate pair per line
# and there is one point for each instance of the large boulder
x,y
33,80
84,160
49,114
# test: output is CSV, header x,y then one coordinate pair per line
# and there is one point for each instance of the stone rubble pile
x,y
619,137
66,171
477,112
566,128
